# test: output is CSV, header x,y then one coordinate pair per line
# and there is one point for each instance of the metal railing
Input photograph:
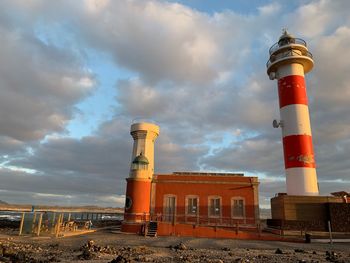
x,y
279,44
203,220
288,53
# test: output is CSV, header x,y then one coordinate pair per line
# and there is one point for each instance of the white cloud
x,y
39,85
198,75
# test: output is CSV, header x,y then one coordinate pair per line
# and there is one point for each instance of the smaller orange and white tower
x,y
138,189
289,60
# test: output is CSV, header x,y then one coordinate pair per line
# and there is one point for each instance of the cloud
x,y
161,41
39,84
319,18
10,146
254,155
201,76
95,166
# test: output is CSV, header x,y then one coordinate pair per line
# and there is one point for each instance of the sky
x,y
75,74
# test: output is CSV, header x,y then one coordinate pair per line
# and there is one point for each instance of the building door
x,y
169,209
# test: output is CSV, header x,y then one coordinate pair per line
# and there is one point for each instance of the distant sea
x,y
16,216
9,215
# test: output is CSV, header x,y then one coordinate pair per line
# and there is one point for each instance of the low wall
x,y
168,229
340,217
310,213
315,225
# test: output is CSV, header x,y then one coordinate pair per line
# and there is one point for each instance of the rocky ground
x,y
109,246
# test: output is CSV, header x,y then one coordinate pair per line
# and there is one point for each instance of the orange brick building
x,y
185,203
203,200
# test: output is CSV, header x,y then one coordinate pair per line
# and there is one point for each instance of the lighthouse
x,y
289,61
138,189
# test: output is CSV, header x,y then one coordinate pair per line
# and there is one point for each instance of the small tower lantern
x,y
140,163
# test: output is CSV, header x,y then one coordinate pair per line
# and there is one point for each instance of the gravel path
x,y
105,246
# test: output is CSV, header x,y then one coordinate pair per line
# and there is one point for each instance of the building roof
x,y
202,177
208,174
340,193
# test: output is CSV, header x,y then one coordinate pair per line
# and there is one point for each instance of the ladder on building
x,y
152,229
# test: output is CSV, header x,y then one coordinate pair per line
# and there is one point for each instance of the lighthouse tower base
x,y
305,213
136,228
138,195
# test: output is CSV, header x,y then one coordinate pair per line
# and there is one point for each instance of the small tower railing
x,y
278,44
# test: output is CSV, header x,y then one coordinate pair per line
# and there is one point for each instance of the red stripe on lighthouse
x,y
298,151
291,90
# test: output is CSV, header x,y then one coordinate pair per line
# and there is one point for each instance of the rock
x,y
331,256
5,260
90,243
278,251
54,246
121,259
299,250
86,255
20,257
181,246
8,252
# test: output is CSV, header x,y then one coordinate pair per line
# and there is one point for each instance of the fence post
x,y
58,224
39,224
33,223
330,232
21,225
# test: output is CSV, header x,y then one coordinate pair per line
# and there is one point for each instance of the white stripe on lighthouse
x,y
295,119
290,69
301,181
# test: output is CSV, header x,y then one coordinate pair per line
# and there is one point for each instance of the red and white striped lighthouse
x,y
289,60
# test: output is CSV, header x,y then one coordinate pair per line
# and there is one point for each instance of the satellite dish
x,y
275,124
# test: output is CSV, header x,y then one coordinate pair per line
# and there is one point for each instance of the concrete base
x,y
298,207
306,212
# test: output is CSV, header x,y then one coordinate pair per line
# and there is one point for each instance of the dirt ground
x,y
106,245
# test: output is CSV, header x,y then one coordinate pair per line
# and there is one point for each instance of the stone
x,y
181,246
121,259
90,243
8,252
86,255
278,251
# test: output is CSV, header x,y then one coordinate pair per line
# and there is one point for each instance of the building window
x,y
169,208
214,206
238,207
192,205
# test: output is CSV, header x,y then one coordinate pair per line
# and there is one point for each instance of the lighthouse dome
x,y
286,39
